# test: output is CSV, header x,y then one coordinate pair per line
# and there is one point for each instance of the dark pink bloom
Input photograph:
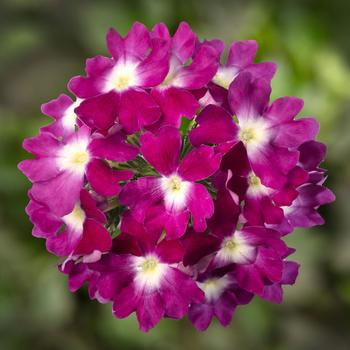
x,y
114,87
176,193
222,296
60,166
141,275
62,110
240,59
269,133
79,233
189,69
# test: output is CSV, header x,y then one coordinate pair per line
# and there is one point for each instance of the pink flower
x,y
60,166
114,87
176,192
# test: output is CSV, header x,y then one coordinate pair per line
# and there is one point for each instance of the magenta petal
x,y
294,133
162,151
139,195
270,264
242,53
99,112
224,308
262,70
64,243
312,153
161,31
184,289
137,109
175,104
200,315
248,97
126,301
42,145
115,43
90,207
45,220
137,42
113,147
284,109
41,169
86,87
56,108
95,237
201,206
98,66
183,42
200,72
175,223
199,164
215,126
226,213
60,193
170,251
272,163
150,311
104,180
155,67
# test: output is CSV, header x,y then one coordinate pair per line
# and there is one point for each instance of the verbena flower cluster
x,y
170,180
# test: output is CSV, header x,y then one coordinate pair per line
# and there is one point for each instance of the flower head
x,y
168,182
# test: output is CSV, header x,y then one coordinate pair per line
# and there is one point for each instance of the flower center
x,y
75,219
122,82
213,287
230,245
149,271
256,188
122,76
247,135
253,133
235,249
253,180
149,265
74,157
175,192
79,158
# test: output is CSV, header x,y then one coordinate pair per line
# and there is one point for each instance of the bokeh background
x,y
44,42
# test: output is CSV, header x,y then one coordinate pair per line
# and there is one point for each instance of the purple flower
x,y
79,233
269,133
114,86
174,93
142,276
222,296
176,192
59,167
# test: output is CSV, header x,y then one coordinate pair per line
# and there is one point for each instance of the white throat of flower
x,y
74,157
225,76
255,187
214,287
234,249
69,117
254,133
122,76
75,219
175,191
149,271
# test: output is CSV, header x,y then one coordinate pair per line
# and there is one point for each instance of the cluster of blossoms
x,y
168,183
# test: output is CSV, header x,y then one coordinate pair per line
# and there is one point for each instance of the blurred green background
x,y
44,42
